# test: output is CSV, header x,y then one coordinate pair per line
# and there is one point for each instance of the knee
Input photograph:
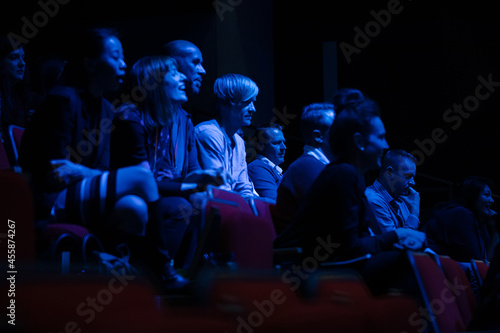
x,y
142,183
131,215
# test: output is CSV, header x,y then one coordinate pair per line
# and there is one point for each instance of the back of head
x,y
316,116
234,89
354,112
147,76
177,48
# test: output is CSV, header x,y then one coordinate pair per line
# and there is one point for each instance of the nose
x,y
201,70
412,181
21,63
283,146
182,77
123,65
251,108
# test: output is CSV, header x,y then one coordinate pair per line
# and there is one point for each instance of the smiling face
x,y
191,65
174,85
14,66
484,202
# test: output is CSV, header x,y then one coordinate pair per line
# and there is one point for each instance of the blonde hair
x,y
147,74
234,89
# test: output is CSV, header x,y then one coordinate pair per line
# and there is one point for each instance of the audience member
x,y
315,123
335,211
393,200
190,63
66,148
219,145
264,170
16,99
159,135
462,228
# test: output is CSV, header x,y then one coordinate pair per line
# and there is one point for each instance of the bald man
x,y
190,63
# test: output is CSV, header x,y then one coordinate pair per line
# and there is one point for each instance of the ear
x,y
317,137
359,141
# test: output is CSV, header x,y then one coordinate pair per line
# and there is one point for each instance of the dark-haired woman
x,y
460,228
332,221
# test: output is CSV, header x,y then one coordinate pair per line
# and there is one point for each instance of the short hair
x,y
234,89
393,157
262,132
354,114
469,189
312,118
147,74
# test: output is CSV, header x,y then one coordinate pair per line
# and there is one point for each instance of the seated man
x,y
315,124
264,170
219,145
393,200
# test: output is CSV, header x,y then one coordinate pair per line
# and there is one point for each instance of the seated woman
x,y
462,228
158,134
332,222
66,148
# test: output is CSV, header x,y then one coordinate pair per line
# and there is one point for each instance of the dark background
x,y
426,59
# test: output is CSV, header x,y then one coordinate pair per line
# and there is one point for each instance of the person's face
x,y
109,68
174,85
241,114
273,147
401,178
484,202
14,66
191,65
375,144
327,122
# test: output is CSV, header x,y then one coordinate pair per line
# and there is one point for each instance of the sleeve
x,y
127,141
263,180
412,222
463,236
381,211
356,234
192,151
242,184
209,144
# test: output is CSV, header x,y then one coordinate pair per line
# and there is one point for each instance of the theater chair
x,y
442,314
480,269
15,136
4,158
232,231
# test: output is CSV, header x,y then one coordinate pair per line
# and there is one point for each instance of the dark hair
x,y
469,189
15,99
354,114
90,44
312,118
262,132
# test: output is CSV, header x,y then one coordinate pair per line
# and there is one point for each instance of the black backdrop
x,y
417,63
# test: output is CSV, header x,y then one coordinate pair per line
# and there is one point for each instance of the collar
x,y
316,153
269,162
386,195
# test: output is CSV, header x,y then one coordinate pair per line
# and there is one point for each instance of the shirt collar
x,y
316,153
269,162
381,189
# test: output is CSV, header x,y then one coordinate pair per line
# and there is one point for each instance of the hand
x,y
410,239
412,200
68,172
203,178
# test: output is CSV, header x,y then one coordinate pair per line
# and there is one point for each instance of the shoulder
x,y
128,113
258,164
208,129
